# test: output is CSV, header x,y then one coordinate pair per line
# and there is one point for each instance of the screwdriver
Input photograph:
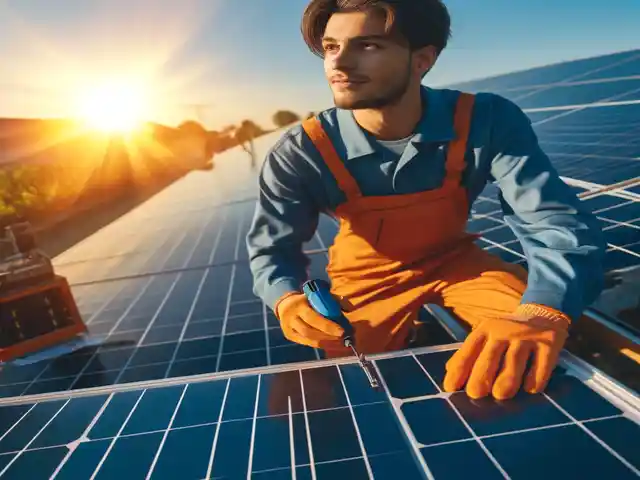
x,y
319,295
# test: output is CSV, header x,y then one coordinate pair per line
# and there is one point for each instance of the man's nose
x,y
342,60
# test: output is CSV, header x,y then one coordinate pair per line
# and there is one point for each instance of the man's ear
x,y
423,59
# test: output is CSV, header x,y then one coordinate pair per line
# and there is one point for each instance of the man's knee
x,y
486,287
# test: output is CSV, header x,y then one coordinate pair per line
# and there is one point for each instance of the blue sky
x,y
245,59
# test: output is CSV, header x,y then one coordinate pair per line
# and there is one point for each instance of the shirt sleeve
x,y
285,218
561,238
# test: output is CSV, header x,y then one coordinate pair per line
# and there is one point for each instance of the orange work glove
x,y
300,323
533,330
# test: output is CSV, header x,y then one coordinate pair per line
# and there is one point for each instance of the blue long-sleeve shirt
x,y
561,239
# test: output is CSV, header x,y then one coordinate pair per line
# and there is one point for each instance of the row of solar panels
x,y
174,299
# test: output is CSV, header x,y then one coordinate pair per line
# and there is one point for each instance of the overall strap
x,y
322,142
455,163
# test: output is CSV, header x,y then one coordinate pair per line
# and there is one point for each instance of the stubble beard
x,y
386,98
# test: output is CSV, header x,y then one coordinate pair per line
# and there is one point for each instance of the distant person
x,y
399,165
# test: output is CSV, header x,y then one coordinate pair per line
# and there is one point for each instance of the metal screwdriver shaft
x,y
366,367
321,300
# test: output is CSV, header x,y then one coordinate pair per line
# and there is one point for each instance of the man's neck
x,y
395,121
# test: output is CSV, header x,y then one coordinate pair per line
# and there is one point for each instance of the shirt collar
x,y
436,125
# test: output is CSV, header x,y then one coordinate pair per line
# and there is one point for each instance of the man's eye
x,y
329,47
370,46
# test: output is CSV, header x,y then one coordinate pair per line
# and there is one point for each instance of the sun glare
x,y
113,107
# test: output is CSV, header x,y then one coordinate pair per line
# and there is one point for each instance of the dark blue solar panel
x,y
576,94
594,144
622,64
324,421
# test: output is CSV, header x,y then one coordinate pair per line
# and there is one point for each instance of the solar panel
x,y
323,420
594,144
600,70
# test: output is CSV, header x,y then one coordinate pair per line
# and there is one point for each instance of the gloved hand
x,y
300,323
532,331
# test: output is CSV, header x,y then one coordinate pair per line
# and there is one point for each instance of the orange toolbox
x,y
37,317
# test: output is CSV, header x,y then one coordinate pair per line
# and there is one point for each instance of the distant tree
x,y
248,130
282,118
245,134
191,127
214,143
193,145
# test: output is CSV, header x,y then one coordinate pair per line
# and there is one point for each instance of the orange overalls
x,y
393,254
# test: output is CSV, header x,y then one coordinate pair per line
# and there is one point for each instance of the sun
x,y
113,107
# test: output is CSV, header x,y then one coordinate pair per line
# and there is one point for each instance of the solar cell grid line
x,y
463,420
228,302
195,301
166,432
623,211
615,136
217,433
17,422
87,246
36,378
167,295
83,436
577,76
355,424
460,439
149,240
104,304
521,93
595,437
175,246
115,326
305,412
86,269
578,108
627,251
604,66
155,316
527,92
292,443
115,438
213,231
252,441
405,425
26,447
583,94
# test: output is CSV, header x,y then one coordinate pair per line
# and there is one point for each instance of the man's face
x,y
365,68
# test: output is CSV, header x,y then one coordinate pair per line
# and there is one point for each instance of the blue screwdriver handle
x,y
318,293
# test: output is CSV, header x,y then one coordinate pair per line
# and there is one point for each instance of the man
x,y
399,166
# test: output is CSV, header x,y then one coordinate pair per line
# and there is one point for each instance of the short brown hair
x,y
419,23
